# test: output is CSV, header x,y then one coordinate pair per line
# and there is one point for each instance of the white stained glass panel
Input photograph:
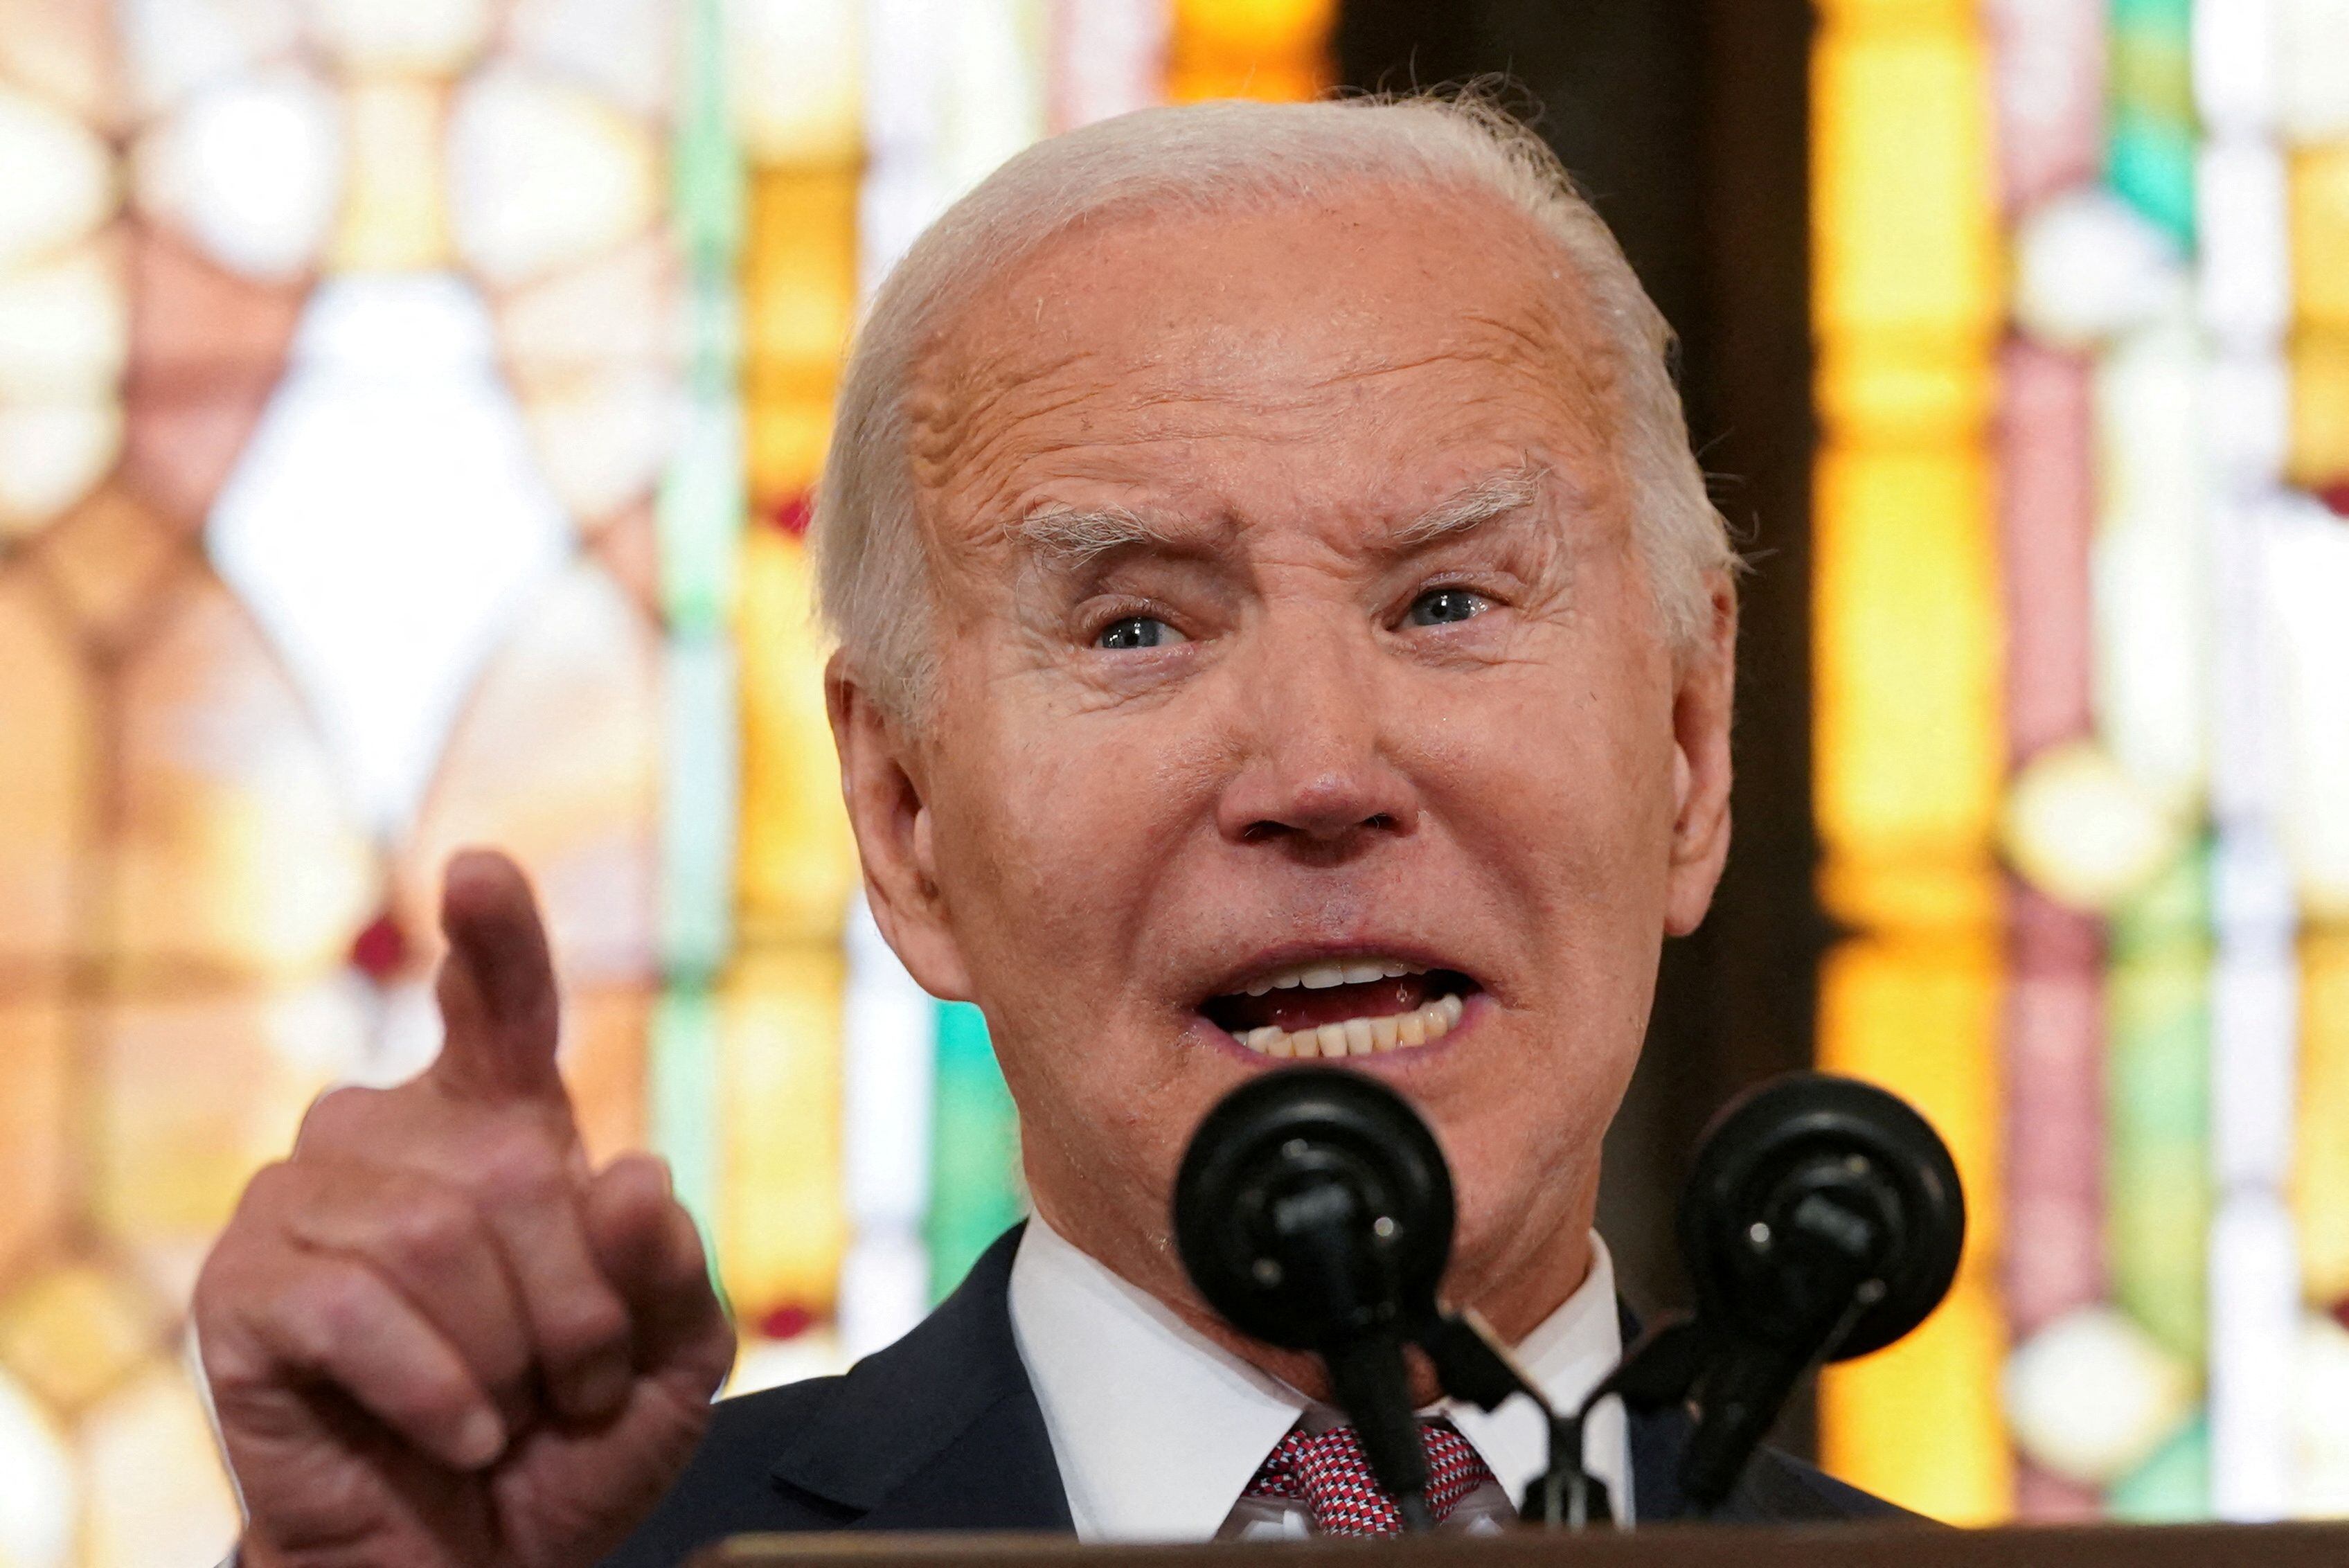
x,y
2308,579
433,38
542,174
386,521
624,50
58,176
793,78
39,1496
252,170
172,48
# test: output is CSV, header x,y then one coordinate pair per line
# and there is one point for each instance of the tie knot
x,y
1330,1475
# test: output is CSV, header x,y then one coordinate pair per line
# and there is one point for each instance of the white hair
x,y
873,562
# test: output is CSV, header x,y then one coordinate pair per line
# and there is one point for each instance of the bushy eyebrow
x,y
1494,496
1070,537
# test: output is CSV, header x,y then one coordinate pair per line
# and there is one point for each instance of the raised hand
x,y
435,1337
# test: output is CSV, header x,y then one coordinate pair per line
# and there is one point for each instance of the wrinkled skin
x,y
1088,840
437,1336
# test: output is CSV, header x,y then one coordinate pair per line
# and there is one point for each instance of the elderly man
x,y
1279,616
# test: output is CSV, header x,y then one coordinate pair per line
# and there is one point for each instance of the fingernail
x,y
480,1439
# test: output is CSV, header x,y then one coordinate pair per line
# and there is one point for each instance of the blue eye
x,y
1438,607
1137,631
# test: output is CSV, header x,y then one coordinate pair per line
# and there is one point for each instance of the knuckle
x,y
517,1164
330,1307
430,1230
583,1324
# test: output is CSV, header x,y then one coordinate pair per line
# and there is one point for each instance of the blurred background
x,y
408,412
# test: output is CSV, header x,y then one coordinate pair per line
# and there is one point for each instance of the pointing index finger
x,y
497,985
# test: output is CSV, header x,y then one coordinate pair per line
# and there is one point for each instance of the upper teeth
x,y
1321,975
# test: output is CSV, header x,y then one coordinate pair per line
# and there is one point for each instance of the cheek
x,y
1050,839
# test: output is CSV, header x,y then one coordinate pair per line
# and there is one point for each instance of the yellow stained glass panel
x,y
75,1332
1904,227
1906,628
796,859
1921,1018
2320,409
782,1223
394,214
2321,1154
799,301
2320,236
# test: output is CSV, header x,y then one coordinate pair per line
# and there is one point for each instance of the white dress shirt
x,y
1158,1429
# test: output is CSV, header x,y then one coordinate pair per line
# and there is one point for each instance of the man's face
x,y
1290,628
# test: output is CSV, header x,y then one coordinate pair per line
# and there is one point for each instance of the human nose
x,y
1314,771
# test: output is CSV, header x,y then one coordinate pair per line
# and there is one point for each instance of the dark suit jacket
x,y
942,1432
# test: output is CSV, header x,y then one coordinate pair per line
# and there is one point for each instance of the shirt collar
x,y
1158,1429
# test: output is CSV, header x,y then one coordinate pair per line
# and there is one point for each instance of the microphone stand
x,y
1471,1365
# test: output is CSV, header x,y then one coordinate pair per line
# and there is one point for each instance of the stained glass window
x,y
407,413
2082,740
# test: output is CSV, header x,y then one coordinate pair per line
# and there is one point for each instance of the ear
x,y
1704,696
880,774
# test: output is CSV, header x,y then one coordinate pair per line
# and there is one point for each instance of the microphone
x,y
1823,1219
1313,1211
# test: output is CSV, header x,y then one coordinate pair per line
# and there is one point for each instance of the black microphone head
x,y
1852,1153
1273,1138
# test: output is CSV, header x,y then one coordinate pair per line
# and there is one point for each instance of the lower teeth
x,y
1359,1036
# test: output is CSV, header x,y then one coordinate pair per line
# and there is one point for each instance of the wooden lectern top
x,y
1678,1545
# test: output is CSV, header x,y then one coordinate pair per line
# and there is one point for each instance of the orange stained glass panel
x,y
156,1493
36,1146
1921,1018
108,561
196,1093
556,759
1275,50
234,853
796,861
206,348
781,1224
799,301
47,761
603,1061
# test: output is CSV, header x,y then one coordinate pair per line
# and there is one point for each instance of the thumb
x,y
497,994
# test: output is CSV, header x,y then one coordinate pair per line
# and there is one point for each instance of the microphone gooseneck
x,y
1313,1210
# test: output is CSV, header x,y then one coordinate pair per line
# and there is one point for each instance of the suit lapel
x,y
941,1431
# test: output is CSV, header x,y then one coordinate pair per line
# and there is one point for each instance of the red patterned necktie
x,y
1328,1473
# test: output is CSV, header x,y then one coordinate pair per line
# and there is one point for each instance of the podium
x,y
1677,1545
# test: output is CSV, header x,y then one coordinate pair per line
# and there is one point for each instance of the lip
x,y
1290,954
1475,1005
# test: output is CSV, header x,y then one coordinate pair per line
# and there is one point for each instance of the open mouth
x,y
1342,1007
